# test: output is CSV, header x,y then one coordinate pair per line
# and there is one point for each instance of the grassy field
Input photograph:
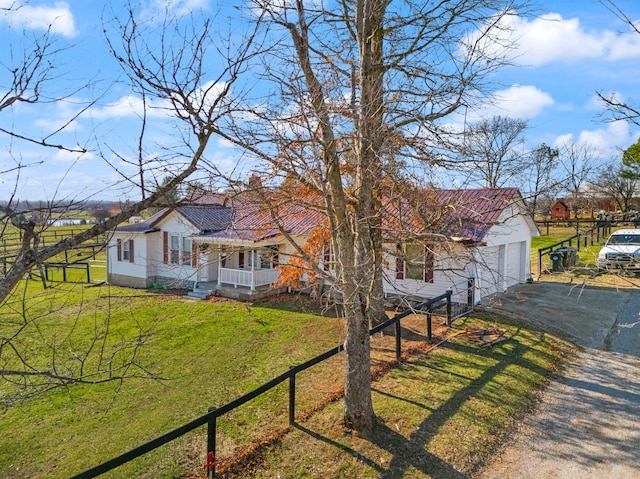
x,y
439,414
460,400
209,352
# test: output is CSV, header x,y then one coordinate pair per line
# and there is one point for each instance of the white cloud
x,y
129,106
59,118
57,18
518,101
69,156
552,38
179,8
606,142
522,101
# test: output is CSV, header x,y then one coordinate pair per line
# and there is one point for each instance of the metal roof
x,y
460,214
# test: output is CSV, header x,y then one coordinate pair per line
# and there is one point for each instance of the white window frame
x,y
186,245
126,250
174,249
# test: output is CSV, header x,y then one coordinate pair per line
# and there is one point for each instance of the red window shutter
x,y
119,249
194,254
327,257
165,247
428,264
241,259
130,251
399,262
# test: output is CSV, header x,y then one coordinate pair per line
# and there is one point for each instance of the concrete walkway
x,y
587,424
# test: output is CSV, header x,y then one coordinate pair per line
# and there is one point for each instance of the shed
x,y
560,211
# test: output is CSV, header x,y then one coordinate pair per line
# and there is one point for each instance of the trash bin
x,y
556,261
569,257
563,258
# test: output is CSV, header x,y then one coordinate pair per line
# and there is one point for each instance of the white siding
x,y
452,266
125,272
175,225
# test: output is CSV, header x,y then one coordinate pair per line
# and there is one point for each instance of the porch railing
x,y
249,278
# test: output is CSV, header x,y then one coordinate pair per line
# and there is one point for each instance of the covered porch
x,y
239,265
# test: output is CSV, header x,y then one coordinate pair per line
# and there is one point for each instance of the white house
x,y
232,247
480,234
235,247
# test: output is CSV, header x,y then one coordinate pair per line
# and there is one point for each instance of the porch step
x,y
200,293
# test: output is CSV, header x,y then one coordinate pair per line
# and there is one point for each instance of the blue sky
x,y
571,50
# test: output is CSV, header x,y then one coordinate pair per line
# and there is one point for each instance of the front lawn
x,y
208,352
449,409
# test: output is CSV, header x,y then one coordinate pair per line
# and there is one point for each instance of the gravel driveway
x,y
588,424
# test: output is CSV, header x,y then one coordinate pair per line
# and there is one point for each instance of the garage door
x,y
489,269
515,263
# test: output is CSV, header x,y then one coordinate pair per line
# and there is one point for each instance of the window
x,y
186,251
125,250
329,258
418,263
414,263
261,259
174,250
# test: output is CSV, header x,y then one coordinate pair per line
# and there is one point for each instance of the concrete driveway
x,y
587,424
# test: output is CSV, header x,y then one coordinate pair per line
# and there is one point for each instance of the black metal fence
x,y
429,308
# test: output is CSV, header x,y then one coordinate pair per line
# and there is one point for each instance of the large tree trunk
x,y
358,407
370,135
376,311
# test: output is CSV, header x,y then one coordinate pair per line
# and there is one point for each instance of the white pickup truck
x,y
622,250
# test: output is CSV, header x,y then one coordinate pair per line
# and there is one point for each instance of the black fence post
x,y
211,446
539,262
398,341
292,398
88,273
429,318
449,293
471,293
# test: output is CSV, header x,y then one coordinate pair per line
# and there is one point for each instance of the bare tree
x,y
492,151
541,179
170,73
577,166
619,108
353,95
612,183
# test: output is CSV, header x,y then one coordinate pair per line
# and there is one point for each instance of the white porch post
x,y
253,280
219,266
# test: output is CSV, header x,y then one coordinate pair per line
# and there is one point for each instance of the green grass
x,y
442,412
210,353
440,415
586,256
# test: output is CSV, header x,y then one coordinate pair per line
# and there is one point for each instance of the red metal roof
x,y
464,214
